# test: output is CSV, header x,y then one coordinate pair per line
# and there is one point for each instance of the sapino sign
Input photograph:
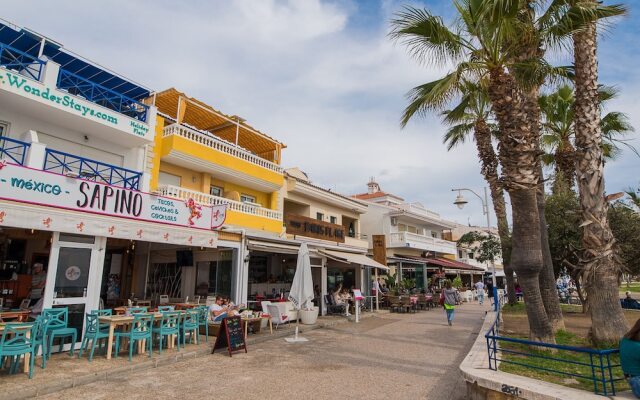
x,y
43,93
27,185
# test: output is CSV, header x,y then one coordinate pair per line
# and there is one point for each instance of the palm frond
x,y
458,113
457,134
426,36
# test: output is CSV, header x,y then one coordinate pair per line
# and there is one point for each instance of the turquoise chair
x,y
169,325
57,326
190,324
94,331
15,344
203,320
40,338
166,309
137,310
141,329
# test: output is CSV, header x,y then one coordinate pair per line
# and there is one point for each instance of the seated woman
x,y
340,300
630,357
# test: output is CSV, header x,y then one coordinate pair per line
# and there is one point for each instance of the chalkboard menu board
x,y
230,335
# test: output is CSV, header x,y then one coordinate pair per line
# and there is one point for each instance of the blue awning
x,y
30,42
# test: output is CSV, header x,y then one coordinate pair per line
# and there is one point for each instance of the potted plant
x,y
309,316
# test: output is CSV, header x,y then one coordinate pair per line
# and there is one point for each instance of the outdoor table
x,y
247,321
122,320
18,316
27,356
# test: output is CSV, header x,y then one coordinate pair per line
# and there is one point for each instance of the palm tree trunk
x,y
548,288
601,266
489,167
565,162
518,155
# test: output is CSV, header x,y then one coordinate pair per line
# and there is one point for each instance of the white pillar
x,y
323,285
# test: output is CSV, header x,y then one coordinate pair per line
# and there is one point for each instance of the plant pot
x,y
309,317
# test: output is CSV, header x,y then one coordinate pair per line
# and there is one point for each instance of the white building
x,y
414,236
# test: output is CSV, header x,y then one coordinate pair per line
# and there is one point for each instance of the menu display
x,y
231,336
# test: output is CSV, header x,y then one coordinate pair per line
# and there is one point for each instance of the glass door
x,y
75,276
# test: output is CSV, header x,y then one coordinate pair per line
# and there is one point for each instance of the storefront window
x,y
72,275
164,279
214,277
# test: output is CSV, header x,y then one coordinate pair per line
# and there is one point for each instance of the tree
x,y
625,224
473,114
558,132
634,197
486,246
601,266
482,47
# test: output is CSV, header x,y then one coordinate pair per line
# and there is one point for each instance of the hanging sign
x,y
38,187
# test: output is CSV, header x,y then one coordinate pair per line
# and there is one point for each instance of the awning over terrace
x,y
37,46
201,116
441,262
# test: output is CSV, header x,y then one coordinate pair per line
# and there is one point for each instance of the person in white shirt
x,y
217,311
480,291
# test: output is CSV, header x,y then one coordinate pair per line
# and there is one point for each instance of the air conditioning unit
x,y
394,221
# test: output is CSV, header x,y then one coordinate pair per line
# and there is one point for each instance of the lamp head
x,y
460,201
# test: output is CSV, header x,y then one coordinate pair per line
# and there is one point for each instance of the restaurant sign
x,y
33,186
303,226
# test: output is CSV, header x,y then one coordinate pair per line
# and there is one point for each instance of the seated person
x,y
630,302
340,300
630,357
218,311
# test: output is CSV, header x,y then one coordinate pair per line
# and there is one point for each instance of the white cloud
x,y
297,70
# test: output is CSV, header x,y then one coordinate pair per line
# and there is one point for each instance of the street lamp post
x,y
460,201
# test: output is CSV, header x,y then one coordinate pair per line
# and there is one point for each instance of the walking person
x,y
480,291
451,297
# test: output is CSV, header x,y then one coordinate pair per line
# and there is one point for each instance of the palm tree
x,y
481,48
473,114
601,265
558,130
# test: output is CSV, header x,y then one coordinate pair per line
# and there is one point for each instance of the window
x,y
402,228
245,198
4,128
320,216
165,178
333,220
471,255
216,191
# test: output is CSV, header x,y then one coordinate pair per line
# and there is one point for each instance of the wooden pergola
x,y
231,128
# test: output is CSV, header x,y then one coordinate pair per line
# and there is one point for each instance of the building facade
x,y
76,143
416,241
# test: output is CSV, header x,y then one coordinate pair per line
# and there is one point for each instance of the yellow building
x,y
214,158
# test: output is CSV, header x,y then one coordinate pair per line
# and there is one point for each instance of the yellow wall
x,y
253,222
223,159
155,167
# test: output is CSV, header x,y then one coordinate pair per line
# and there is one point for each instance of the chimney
x,y
372,186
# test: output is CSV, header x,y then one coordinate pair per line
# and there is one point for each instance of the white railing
x,y
408,239
419,210
220,145
207,199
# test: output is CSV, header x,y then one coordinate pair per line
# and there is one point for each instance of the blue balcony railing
x,y
76,166
13,150
101,95
21,62
597,367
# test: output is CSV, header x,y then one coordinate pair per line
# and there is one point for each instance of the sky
x,y
320,76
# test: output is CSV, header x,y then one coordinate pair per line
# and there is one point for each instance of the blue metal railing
x,y
13,150
605,372
21,62
69,164
101,95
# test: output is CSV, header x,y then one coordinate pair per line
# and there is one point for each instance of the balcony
x,y
13,150
207,199
415,241
96,171
96,103
220,145
98,94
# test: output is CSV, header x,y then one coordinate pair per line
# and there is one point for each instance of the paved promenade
x,y
390,356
